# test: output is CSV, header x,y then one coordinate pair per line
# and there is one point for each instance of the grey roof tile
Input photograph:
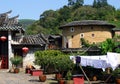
x,y
11,24
87,22
38,39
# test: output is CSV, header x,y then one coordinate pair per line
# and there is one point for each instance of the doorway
x,y
18,52
4,54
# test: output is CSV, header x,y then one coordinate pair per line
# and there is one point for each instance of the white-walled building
x,y
12,41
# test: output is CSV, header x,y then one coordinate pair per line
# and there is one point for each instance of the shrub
x,y
16,60
58,60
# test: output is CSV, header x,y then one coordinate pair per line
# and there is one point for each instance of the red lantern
x,y
25,49
3,38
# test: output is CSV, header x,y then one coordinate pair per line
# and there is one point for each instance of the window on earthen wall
x,y
93,35
91,27
94,42
82,35
72,36
72,29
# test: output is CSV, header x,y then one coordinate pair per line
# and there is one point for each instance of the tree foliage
x,y
16,60
26,22
111,45
55,58
50,20
100,3
107,46
75,3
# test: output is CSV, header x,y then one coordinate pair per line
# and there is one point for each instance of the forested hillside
x,y
26,22
50,20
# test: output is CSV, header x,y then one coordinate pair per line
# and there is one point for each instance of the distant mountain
x,y
26,22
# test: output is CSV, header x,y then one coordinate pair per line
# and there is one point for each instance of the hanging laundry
x,y
103,61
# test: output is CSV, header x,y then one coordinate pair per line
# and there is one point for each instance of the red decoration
x,y
3,38
25,49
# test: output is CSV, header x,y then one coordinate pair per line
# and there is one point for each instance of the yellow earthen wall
x,y
101,33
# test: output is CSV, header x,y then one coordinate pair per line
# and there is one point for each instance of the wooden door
x,y
4,62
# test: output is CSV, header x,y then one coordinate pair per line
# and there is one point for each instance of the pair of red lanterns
x,y
24,49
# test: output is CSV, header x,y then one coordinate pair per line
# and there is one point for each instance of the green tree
x,y
46,58
78,3
117,14
70,2
55,58
107,46
84,13
95,4
51,20
64,14
104,3
100,3
75,3
35,29
116,43
48,19
26,22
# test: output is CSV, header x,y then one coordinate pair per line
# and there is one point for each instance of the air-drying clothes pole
x,y
83,70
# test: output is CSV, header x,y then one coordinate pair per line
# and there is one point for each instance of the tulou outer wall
x,y
91,34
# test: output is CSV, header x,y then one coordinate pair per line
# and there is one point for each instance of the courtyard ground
x,y
22,78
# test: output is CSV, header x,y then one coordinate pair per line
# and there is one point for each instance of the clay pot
x,y
117,81
69,82
94,78
42,78
58,76
61,81
16,70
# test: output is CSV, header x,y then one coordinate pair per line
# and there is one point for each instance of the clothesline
x,y
103,61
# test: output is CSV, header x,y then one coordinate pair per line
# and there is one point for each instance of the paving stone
x,y
22,78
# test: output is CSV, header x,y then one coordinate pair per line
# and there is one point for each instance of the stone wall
x,y
28,59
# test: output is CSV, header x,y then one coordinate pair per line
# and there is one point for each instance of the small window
x,y
72,36
81,28
91,27
93,35
94,42
81,35
72,29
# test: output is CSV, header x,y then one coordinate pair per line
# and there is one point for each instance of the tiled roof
x,y
87,22
116,29
54,36
11,21
38,39
4,17
5,13
11,28
11,24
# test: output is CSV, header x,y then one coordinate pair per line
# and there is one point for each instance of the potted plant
x,y
46,58
55,58
118,79
16,60
62,64
69,78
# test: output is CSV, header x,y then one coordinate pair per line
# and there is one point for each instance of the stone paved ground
x,y
22,78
